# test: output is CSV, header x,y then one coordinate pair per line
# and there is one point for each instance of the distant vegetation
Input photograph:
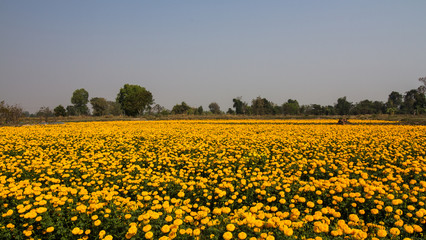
x,y
136,101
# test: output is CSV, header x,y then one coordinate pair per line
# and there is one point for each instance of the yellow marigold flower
x,y
399,223
394,231
97,222
30,214
242,235
382,233
230,227
288,232
76,231
196,232
353,218
102,234
169,218
108,237
309,218
50,229
417,228
227,235
178,222
165,229
408,228
146,228
149,235
28,233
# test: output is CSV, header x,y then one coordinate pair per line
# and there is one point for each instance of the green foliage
x,y
240,106
134,99
414,102
181,108
291,107
200,110
343,107
80,98
214,108
394,101
261,106
71,111
368,107
60,111
113,108
99,105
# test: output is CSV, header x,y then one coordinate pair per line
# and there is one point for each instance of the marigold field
x,y
213,179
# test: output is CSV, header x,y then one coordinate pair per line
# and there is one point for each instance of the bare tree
x,y
9,114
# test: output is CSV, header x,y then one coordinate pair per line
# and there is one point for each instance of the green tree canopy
x,y
343,107
60,111
239,105
214,108
181,108
291,107
134,99
99,105
80,98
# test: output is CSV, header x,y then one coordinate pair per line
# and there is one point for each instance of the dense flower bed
x,y
299,179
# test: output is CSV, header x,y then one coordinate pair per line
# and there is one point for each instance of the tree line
x,y
134,100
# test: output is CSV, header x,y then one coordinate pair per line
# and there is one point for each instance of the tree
x,y
71,111
291,107
200,110
240,106
214,108
157,109
113,108
181,108
414,102
422,89
343,107
9,114
394,102
80,98
134,99
60,111
363,107
99,105
230,111
45,113
316,109
261,106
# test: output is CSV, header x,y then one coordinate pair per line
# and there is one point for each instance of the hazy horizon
x,y
210,51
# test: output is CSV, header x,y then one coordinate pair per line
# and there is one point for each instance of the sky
x,y
210,51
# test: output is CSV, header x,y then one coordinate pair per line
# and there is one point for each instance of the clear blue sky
x,y
210,51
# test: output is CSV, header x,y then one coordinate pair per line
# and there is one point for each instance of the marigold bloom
x,y
242,235
230,227
227,235
394,231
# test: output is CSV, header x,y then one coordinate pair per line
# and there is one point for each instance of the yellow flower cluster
x,y
215,179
